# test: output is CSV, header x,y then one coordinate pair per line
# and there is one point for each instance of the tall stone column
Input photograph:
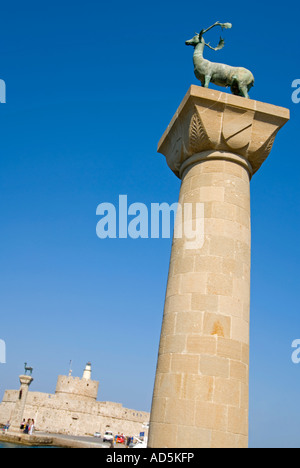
x,y
214,144
18,412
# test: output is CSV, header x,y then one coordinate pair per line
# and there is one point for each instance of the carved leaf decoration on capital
x,y
198,139
257,159
176,149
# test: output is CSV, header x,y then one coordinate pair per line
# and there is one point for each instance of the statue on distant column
x,y
28,369
239,79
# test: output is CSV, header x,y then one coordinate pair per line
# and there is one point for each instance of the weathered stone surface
x,y
214,143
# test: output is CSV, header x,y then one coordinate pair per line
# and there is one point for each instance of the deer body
x,y
239,79
28,369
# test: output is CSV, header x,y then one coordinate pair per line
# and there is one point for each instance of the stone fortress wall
x,y
74,386
73,410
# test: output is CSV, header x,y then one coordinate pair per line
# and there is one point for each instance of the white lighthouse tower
x,y
87,373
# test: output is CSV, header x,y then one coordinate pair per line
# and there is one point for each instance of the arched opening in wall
x,y
20,394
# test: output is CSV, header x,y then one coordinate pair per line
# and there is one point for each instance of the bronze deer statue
x,y
239,79
28,369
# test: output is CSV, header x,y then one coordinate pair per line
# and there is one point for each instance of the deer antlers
x,y
222,25
221,42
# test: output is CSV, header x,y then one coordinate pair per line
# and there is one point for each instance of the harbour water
x,y
6,445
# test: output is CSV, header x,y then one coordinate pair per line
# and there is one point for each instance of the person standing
x,y
31,427
27,426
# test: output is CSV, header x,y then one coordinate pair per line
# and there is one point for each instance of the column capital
x,y
25,379
208,120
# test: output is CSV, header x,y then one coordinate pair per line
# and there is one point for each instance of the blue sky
x,y
91,87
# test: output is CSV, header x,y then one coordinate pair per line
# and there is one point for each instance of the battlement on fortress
x,y
74,386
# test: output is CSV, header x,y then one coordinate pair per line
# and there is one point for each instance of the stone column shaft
x,y
18,412
214,143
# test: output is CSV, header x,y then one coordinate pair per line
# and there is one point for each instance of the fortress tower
x,y
75,387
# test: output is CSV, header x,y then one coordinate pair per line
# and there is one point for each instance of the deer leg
x,y
235,89
207,81
244,91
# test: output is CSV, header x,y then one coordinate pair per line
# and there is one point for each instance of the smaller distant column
x,y
18,412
